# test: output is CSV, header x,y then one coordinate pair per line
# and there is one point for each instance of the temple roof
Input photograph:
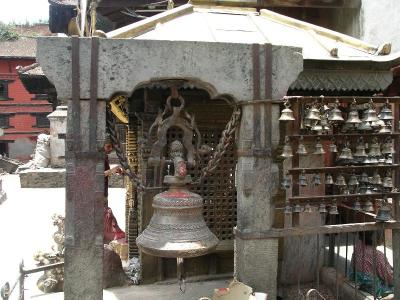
x,y
244,25
20,48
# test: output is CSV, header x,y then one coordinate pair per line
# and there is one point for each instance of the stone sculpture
x,y
41,156
53,280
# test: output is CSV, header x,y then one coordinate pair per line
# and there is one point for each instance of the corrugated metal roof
x,y
23,47
220,24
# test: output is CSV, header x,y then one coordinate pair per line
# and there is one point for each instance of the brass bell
x,y
301,149
386,113
340,181
364,126
297,208
335,114
308,208
357,205
373,160
364,178
377,124
353,180
346,154
389,160
387,181
322,208
333,147
368,206
303,179
375,150
177,228
376,179
317,127
353,117
317,179
370,114
313,114
287,113
287,149
286,182
288,209
324,123
368,190
385,129
319,149
333,209
383,214
328,179
360,149
387,147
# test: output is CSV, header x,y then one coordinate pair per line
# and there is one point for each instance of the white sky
x,y
20,11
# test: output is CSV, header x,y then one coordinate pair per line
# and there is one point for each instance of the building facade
x,y
22,115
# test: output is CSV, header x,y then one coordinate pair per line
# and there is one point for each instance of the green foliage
x,y
8,33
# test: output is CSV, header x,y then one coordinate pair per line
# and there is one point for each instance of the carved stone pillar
x,y
84,186
256,260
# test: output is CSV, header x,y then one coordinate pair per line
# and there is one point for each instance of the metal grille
x,y
218,189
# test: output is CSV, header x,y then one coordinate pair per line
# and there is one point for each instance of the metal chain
x,y
225,141
112,128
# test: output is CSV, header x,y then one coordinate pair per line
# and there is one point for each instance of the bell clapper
x,y
180,272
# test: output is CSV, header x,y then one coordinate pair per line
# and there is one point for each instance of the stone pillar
x,y
256,260
84,183
58,130
84,206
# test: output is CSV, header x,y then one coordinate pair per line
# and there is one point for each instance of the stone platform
x,y
55,178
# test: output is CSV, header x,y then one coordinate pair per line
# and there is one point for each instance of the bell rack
x,y
340,169
295,135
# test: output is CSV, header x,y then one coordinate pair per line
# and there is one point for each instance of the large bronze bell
x,y
360,149
177,227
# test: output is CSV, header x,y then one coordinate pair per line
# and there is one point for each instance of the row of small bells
x,y
320,119
386,185
383,214
375,154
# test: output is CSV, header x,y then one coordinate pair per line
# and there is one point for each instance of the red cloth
x,y
363,257
111,228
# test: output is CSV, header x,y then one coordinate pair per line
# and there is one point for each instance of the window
x,y
4,89
42,121
4,121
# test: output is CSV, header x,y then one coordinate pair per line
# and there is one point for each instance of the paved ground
x,y
26,227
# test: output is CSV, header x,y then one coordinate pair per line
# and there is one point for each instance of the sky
x,y
21,11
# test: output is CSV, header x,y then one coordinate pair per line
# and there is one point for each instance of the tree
x,y
7,32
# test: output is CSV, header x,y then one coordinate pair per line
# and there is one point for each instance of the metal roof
x,y
243,25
